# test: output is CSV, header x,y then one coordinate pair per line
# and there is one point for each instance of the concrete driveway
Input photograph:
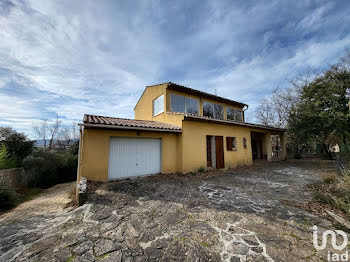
x,y
236,216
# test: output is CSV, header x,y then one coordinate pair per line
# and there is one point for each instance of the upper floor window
x,y
234,114
184,104
158,105
213,110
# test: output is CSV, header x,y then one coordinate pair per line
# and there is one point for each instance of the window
x,y
183,104
192,106
238,115
231,143
158,105
234,114
208,109
213,110
244,143
177,103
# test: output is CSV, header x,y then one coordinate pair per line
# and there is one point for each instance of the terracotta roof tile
x,y
124,122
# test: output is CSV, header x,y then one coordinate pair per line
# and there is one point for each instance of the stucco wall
x,y
95,151
194,145
144,107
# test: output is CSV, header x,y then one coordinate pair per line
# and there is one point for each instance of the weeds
x,y
201,170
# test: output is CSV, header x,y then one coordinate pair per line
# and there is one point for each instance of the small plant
x,y
8,197
201,170
329,179
193,173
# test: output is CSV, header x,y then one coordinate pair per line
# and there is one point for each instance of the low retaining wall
x,y
15,177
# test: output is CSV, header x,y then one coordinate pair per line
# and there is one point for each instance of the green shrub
x,y
8,197
47,168
5,160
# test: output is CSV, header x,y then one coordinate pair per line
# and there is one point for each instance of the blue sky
x,y
76,57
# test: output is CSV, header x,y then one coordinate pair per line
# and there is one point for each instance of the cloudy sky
x,y
75,57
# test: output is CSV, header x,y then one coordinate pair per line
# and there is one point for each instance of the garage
x,y
133,156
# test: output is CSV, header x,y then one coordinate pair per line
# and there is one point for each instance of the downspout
x,y
79,163
244,111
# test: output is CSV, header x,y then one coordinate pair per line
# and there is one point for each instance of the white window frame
x,y
157,100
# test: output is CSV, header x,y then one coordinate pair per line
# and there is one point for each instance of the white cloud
x,y
76,57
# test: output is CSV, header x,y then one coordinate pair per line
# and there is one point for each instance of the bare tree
x,y
67,136
41,131
274,110
264,113
49,133
54,129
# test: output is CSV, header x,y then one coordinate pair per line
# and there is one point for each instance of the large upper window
x,y
234,114
184,104
213,110
158,105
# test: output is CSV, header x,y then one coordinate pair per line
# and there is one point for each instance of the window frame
x,y
233,141
234,114
213,109
185,98
153,103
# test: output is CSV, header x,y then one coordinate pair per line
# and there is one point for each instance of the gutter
x,y
130,128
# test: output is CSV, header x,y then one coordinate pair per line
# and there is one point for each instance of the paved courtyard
x,y
240,215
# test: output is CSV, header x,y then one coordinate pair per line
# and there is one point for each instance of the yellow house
x,y
176,129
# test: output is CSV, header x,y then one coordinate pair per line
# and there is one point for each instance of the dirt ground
x,y
237,215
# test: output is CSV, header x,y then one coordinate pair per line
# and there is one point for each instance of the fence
x,y
15,177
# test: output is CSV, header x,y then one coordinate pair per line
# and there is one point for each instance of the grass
x,y
334,192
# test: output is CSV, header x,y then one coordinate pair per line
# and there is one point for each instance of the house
x,y
176,129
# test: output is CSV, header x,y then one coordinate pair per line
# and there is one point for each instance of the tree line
x,y
314,108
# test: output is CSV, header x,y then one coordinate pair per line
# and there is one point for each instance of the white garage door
x,y
130,157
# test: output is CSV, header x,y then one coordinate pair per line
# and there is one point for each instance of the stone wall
x,y
15,177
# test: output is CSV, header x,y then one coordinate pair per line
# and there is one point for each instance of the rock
x,y
152,252
131,231
62,254
83,247
86,257
238,249
103,246
235,259
250,240
257,249
253,258
115,234
115,256
226,236
40,245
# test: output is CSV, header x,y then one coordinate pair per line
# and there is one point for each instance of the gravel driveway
x,y
238,215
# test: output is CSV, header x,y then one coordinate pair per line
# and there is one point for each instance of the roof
x,y
124,123
187,90
230,122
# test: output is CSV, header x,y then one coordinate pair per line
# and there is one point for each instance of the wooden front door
x,y
219,150
209,162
